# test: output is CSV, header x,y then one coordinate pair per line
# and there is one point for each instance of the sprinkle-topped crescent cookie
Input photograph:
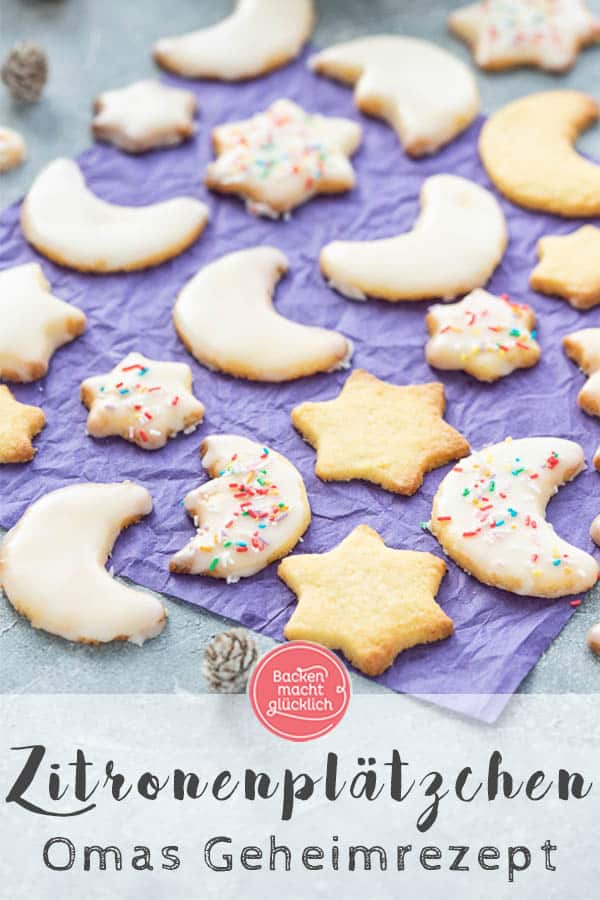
x,y
487,336
489,516
253,512
282,157
143,401
584,348
569,267
19,423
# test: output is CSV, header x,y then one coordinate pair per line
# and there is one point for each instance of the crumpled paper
x,y
499,636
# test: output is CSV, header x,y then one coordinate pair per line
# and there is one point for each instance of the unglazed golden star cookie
x,y
18,425
584,348
487,336
366,599
383,433
33,323
282,157
12,149
143,401
569,267
144,115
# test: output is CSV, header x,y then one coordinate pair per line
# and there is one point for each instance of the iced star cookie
x,y
33,323
366,599
253,512
584,348
454,246
383,433
569,267
66,222
225,318
52,565
259,36
425,93
487,336
595,530
559,180
145,115
18,425
143,401
12,149
489,517
282,157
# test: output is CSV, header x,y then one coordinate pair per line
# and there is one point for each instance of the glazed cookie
x,y
225,318
506,33
18,425
383,433
68,535
33,323
488,515
143,401
282,157
487,336
12,149
259,36
569,267
367,600
64,221
253,512
454,246
595,531
425,93
144,115
559,180
584,348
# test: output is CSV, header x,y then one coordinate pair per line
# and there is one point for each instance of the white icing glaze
x,y
584,347
595,531
225,316
453,247
253,512
65,221
143,401
12,149
33,323
52,565
488,515
426,94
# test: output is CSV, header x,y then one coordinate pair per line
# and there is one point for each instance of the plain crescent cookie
x,y
425,93
225,318
454,246
67,223
595,531
19,423
489,517
584,348
67,535
13,149
555,179
569,267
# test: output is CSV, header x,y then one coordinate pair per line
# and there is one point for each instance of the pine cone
x,y
228,660
25,71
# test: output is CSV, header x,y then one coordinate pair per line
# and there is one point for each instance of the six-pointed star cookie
x,y
18,425
282,157
381,432
584,348
569,267
366,599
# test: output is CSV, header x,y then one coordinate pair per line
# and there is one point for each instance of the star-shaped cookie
x,y
282,157
144,115
381,432
366,599
569,267
584,348
18,425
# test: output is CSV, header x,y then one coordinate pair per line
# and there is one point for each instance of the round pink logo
x,y
299,691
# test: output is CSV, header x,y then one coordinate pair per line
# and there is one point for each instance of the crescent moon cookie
x,y
583,347
558,180
259,36
569,267
12,149
489,517
66,222
454,246
425,93
595,531
33,323
282,157
254,511
18,425
144,115
487,336
507,33
143,401
52,566
367,600
225,318
380,432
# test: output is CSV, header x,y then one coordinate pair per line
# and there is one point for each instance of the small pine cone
x,y
25,71
228,661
